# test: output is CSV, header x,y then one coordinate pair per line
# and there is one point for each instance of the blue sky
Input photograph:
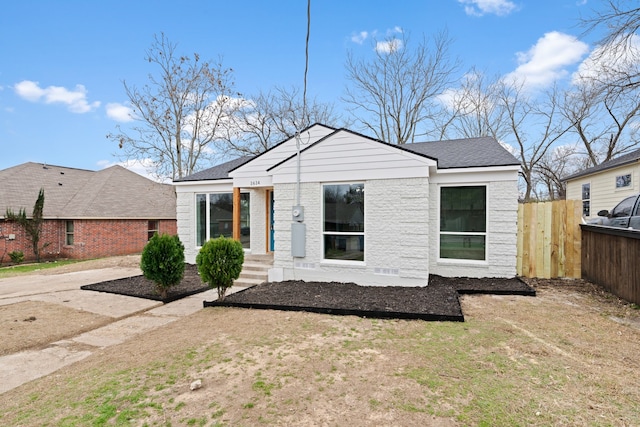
x,y
62,62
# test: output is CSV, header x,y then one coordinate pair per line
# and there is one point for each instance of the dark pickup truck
x,y
626,214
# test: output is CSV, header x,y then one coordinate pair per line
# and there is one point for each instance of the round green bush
x,y
220,263
162,262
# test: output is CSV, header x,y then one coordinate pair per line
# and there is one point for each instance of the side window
x,y
586,199
637,211
624,207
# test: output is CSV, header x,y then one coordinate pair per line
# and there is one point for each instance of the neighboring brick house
x,y
88,214
352,208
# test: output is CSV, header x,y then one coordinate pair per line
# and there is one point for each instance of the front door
x,y
271,222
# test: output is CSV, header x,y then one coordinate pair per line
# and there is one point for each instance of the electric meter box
x,y
297,213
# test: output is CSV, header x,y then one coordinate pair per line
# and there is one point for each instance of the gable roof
x,y
623,160
69,193
449,154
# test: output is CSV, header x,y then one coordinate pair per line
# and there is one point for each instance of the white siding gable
x,y
254,173
344,156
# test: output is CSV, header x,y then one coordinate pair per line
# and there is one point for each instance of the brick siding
x,y
92,238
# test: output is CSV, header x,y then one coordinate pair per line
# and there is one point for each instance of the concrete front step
x,y
255,270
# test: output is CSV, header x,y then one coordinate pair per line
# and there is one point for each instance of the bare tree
x,y
392,94
620,20
473,110
602,118
556,164
271,117
178,113
535,127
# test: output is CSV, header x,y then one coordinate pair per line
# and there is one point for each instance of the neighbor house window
x,y
152,228
623,181
343,225
586,199
68,233
214,217
463,222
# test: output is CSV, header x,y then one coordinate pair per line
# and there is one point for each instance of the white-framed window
x,y
214,217
463,222
586,199
343,221
153,227
623,181
69,231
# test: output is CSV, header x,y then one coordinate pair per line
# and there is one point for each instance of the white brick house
x,y
352,208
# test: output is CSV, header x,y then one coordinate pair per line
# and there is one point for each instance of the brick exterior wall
x,y
92,238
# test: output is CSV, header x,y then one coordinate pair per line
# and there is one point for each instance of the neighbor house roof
x,y
69,193
623,160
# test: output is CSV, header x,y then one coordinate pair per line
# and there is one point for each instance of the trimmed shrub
x,y
16,256
220,263
162,262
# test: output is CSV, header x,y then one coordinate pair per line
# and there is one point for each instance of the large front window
x,y
463,222
343,227
214,217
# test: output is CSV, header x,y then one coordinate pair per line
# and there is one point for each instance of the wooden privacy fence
x,y
610,258
549,239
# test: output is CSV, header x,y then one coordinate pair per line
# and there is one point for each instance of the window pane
x,y
463,209
586,191
201,219
220,215
349,248
586,208
459,246
245,221
344,208
69,233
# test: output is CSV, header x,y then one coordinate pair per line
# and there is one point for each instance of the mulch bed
x,y
439,301
141,287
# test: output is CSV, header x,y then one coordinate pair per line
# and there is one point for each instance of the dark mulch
x,y
141,287
438,301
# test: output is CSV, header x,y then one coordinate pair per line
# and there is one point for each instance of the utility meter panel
x,y
298,239
297,213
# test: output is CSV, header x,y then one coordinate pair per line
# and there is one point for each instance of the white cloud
x,y
119,112
483,7
75,100
389,46
548,60
360,37
610,64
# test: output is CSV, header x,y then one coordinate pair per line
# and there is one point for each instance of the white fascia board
x,y
261,181
204,186
497,173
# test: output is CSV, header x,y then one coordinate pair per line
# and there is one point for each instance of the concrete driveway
x,y
131,316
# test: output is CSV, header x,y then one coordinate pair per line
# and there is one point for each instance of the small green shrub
x,y
220,263
162,262
16,256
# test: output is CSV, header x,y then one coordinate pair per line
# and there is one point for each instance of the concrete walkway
x,y
131,317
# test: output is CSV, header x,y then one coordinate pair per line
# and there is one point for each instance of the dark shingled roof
x,y
217,172
454,153
632,157
465,153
